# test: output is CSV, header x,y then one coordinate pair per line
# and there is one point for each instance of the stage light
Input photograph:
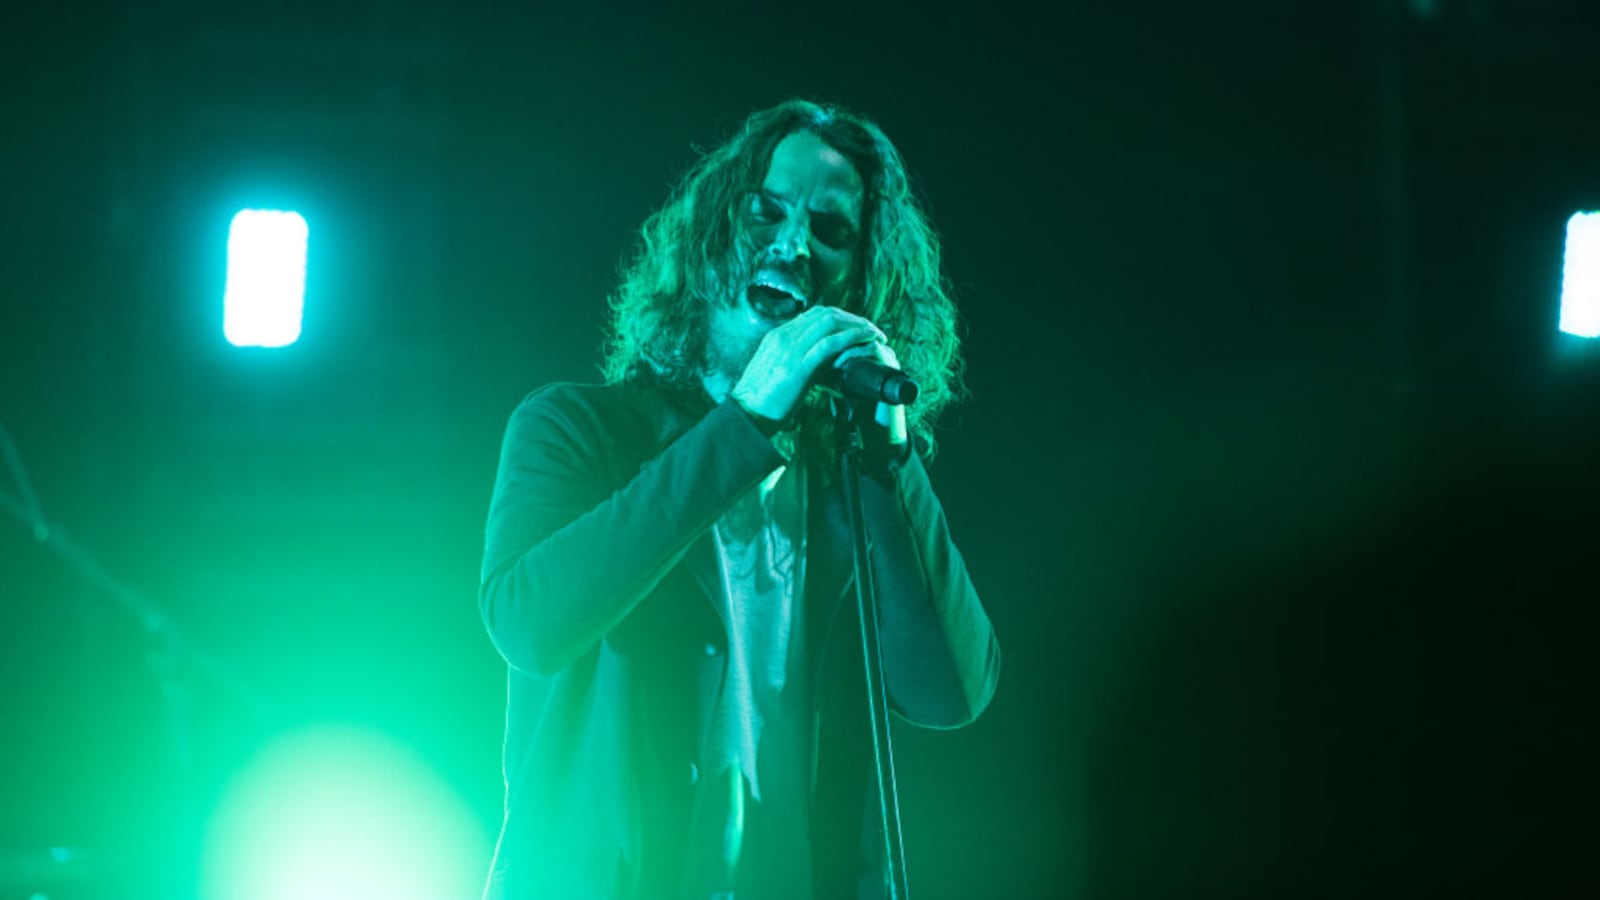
x,y
1580,278
266,285
342,814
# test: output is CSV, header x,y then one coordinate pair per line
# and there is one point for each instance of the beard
x,y
733,329
732,336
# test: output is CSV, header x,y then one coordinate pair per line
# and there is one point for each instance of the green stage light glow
x,y
342,814
266,285
1580,278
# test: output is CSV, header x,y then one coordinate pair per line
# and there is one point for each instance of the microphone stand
x,y
851,467
171,655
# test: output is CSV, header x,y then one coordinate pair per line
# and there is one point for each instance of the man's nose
x,y
793,240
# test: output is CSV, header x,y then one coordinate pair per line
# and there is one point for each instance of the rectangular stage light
x,y
1580,277
266,287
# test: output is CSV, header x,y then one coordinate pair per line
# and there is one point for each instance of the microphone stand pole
x,y
851,466
170,656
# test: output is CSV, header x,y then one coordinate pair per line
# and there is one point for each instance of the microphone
x,y
868,379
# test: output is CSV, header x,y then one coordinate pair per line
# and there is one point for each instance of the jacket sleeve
x,y
566,557
941,659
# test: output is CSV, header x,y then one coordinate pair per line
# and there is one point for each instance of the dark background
x,y
1277,479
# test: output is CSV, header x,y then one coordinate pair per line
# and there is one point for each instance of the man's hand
x,y
790,355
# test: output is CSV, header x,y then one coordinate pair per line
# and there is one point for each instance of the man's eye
x,y
764,210
836,236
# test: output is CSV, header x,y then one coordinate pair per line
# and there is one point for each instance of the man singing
x,y
667,567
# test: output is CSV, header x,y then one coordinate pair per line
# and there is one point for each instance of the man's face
x,y
800,234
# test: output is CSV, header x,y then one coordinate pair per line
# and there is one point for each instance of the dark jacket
x,y
598,585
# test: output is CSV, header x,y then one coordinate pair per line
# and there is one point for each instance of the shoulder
x,y
571,398
575,399
628,412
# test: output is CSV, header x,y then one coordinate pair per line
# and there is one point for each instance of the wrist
x,y
766,425
886,449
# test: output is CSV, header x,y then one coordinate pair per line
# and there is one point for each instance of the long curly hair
x,y
680,263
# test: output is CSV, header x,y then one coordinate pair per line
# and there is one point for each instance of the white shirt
x,y
758,765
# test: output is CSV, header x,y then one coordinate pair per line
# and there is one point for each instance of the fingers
x,y
815,323
875,350
835,335
836,343
788,357
818,334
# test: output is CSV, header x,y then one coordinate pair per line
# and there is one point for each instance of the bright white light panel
x,y
1580,278
266,287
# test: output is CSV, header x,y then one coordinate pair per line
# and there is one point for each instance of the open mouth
x,y
776,297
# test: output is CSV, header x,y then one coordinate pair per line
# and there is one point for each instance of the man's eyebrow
x,y
838,208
